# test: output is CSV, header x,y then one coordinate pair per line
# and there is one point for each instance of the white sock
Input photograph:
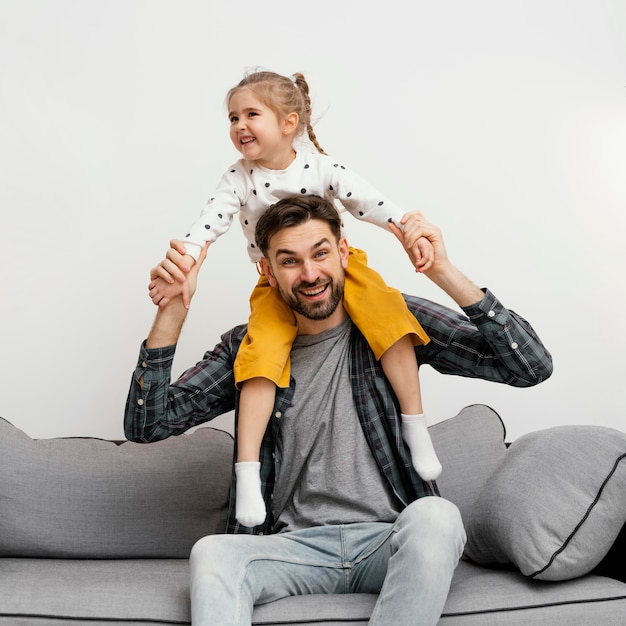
x,y
415,434
249,504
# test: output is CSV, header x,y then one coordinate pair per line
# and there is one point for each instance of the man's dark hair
x,y
294,211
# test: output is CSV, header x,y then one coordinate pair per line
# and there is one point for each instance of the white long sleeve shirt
x,y
248,189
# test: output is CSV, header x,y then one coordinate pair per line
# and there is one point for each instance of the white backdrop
x,y
504,122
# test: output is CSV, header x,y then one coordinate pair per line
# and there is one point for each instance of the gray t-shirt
x,y
328,474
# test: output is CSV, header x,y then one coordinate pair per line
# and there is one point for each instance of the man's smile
x,y
314,291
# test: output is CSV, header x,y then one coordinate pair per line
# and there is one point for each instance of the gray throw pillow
x,y
469,446
554,505
91,498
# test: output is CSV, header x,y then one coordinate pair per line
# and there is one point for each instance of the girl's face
x,y
258,133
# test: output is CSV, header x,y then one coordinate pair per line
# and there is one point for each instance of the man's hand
x,y
442,272
161,291
170,317
169,278
176,274
422,241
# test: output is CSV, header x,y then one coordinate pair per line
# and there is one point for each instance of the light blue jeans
x,y
410,563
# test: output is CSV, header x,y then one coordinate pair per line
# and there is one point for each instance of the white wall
x,y
505,122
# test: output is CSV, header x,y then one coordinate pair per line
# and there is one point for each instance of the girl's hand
x,y
411,224
175,265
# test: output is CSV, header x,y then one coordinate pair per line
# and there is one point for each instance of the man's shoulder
x,y
439,321
235,334
416,303
229,344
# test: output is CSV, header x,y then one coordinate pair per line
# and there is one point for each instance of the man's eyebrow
x,y
319,244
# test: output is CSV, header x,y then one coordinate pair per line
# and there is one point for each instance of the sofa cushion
x,y
469,446
90,498
554,505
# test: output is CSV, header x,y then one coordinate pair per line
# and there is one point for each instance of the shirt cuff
x,y
192,248
489,309
153,362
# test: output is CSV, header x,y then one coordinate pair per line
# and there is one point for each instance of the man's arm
x,y
156,408
442,272
490,341
170,317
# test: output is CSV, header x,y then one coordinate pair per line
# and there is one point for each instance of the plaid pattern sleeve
x,y
157,408
488,342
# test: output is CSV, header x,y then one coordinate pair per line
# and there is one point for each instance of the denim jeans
x,y
409,563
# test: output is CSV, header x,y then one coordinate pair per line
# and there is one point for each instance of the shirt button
x,y
144,364
514,345
278,414
140,402
491,314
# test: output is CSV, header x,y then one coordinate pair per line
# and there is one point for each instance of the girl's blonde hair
x,y
283,95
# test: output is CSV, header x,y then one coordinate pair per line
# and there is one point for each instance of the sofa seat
x,y
137,591
478,597
149,591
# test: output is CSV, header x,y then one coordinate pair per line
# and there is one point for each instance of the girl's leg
x,y
262,363
391,331
255,407
400,368
266,347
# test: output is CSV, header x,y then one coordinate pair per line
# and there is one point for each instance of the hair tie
x,y
293,79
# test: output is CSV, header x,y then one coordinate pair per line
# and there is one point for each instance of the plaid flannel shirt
x,y
488,342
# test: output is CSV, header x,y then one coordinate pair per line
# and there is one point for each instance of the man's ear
x,y
266,268
290,124
344,252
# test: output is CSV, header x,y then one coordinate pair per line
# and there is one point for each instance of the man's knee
x,y
434,518
212,549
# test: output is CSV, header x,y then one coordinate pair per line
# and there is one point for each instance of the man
x,y
341,492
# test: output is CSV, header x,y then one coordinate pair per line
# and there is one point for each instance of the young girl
x,y
267,112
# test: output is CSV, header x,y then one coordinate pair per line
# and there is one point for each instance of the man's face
x,y
307,265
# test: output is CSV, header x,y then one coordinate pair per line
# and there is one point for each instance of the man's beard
x,y
314,310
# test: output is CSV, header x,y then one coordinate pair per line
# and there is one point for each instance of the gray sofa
x,y
97,532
